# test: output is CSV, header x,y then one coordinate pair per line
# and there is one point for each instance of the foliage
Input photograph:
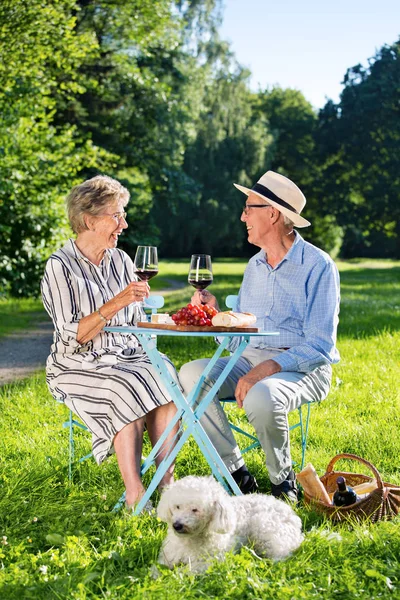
x,y
146,91
90,86
61,540
230,146
359,140
292,120
40,52
295,154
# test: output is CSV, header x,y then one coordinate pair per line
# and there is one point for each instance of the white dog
x,y
204,522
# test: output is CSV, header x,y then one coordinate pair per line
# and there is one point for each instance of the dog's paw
x,y
155,572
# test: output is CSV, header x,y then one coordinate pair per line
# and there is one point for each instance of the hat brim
x,y
297,220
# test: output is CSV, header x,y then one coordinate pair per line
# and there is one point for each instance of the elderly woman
x,y
104,378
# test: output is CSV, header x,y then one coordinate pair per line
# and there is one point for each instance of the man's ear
x,y
275,215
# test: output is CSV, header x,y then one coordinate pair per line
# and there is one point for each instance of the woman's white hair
x,y
91,197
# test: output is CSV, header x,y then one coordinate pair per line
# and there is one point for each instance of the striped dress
x,y
109,381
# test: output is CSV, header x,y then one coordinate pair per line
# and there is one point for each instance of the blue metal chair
x,y
151,305
302,423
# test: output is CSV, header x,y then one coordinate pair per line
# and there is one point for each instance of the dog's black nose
x,y
177,526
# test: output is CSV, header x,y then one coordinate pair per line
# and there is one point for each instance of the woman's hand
x,y
201,297
90,326
135,291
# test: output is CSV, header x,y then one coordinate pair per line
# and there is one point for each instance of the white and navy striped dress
x,y
109,382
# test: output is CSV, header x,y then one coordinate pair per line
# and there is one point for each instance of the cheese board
x,y
197,328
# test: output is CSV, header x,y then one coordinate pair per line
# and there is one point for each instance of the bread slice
x,y
233,319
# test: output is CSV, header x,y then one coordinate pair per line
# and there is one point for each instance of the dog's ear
x,y
163,508
223,518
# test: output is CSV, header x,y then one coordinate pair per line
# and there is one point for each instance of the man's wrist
x,y
276,366
286,361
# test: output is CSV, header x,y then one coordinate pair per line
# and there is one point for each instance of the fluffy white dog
x,y
204,523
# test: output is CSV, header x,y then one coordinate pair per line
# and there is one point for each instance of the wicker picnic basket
x,y
382,503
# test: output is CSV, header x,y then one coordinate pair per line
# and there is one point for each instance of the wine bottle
x,y
344,495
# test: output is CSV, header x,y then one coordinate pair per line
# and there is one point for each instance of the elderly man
x,y
293,288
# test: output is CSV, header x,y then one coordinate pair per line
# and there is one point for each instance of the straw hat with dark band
x,y
282,193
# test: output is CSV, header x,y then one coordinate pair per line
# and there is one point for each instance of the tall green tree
x,y
230,146
143,92
293,153
92,86
39,48
292,121
359,139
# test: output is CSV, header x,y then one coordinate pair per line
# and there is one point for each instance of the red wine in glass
x,y
146,267
146,274
200,272
146,262
201,283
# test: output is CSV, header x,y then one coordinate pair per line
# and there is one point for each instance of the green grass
x,y
63,541
19,314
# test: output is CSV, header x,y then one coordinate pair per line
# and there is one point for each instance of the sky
x,y
308,44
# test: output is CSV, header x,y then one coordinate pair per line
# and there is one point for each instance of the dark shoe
x,y
245,480
287,490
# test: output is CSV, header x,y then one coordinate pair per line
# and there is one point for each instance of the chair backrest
x,y
231,301
153,303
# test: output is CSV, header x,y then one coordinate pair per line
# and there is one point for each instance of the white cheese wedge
x,y
162,319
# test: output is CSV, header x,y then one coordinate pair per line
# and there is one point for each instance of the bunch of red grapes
x,y
194,315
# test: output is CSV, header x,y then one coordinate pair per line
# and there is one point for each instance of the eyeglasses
x,y
247,206
117,216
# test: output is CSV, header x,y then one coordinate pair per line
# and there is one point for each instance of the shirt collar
x,y
72,249
294,255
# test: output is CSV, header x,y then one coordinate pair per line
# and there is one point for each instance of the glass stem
x,y
139,312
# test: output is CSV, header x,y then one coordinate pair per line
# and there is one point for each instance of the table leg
x,y
192,423
190,417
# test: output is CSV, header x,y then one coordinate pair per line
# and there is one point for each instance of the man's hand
x,y
201,297
261,371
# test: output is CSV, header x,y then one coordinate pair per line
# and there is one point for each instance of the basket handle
x,y
365,462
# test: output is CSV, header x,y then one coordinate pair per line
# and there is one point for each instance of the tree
x,y
359,140
38,160
143,91
293,153
91,86
230,146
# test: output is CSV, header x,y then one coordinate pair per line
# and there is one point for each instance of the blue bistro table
x,y
187,411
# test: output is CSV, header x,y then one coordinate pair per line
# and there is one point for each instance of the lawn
x,y
62,541
19,314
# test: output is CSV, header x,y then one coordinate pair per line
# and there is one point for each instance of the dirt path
x,y
24,352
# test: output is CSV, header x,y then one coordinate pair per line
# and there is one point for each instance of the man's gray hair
x,y
287,222
91,197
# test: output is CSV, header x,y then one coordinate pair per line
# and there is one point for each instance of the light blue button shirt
x,y
300,299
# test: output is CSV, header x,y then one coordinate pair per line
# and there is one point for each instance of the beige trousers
x,y
267,406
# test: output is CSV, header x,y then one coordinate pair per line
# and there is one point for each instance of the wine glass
x,y
146,267
146,262
200,272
